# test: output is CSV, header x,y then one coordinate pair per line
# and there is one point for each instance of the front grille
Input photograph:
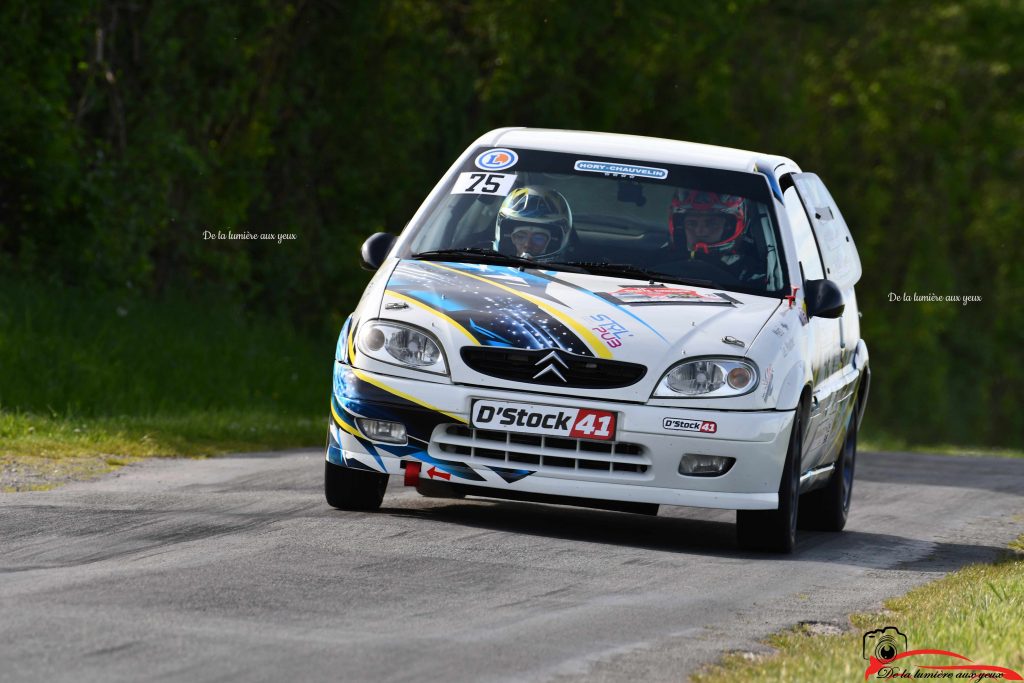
x,y
563,370
554,455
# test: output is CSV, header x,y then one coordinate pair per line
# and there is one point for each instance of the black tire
x,y
827,508
775,530
349,489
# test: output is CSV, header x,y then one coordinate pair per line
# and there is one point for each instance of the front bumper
x,y
640,466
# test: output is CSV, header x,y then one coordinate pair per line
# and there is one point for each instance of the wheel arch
x,y
794,386
862,394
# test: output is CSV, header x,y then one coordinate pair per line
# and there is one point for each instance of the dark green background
x,y
129,128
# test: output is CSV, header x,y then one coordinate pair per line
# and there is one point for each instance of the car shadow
x,y
674,531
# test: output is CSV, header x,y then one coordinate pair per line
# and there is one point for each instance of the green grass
x,y
39,452
872,440
72,352
977,612
90,381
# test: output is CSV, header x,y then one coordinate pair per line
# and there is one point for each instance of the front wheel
x,y
828,508
775,530
349,489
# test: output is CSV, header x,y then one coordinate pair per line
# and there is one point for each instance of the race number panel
x,y
481,182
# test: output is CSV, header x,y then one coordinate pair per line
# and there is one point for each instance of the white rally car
x,y
610,321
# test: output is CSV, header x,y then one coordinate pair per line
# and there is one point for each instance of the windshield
x,y
632,219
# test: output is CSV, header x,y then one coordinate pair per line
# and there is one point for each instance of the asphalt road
x,y
236,569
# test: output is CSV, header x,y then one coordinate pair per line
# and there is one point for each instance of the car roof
x,y
617,145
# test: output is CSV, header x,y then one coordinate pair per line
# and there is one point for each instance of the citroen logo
x,y
551,359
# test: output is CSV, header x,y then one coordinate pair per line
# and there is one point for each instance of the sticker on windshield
x,y
496,159
627,170
662,295
499,184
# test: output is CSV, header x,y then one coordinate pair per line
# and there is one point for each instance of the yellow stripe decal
x,y
599,348
351,345
436,312
344,425
377,383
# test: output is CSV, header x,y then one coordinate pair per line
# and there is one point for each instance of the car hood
x,y
615,318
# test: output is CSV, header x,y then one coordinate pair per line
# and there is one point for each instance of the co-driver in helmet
x,y
710,227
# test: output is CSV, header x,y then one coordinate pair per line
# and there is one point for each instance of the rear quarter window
x,y
838,252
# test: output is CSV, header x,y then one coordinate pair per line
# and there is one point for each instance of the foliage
x,y
130,128
69,354
91,381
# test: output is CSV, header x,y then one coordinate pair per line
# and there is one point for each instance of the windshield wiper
x,y
604,268
490,256
472,253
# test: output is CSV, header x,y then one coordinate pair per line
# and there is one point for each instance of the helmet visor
x,y
535,239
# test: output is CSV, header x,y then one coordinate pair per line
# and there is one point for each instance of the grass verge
x,y
875,441
977,612
91,380
42,452
39,453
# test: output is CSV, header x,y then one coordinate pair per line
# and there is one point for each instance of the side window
x,y
477,224
806,248
457,223
761,231
842,263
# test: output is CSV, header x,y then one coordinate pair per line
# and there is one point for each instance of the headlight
x,y
708,378
402,345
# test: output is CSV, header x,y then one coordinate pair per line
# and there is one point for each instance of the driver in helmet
x,y
711,228
533,222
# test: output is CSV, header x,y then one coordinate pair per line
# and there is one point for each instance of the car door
x,y
821,333
834,378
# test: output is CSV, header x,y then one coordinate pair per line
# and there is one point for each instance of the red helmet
x,y
698,201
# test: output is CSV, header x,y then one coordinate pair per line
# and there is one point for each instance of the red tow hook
x,y
412,472
792,297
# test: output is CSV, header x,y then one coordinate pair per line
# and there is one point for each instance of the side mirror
x,y
375,249
824,300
